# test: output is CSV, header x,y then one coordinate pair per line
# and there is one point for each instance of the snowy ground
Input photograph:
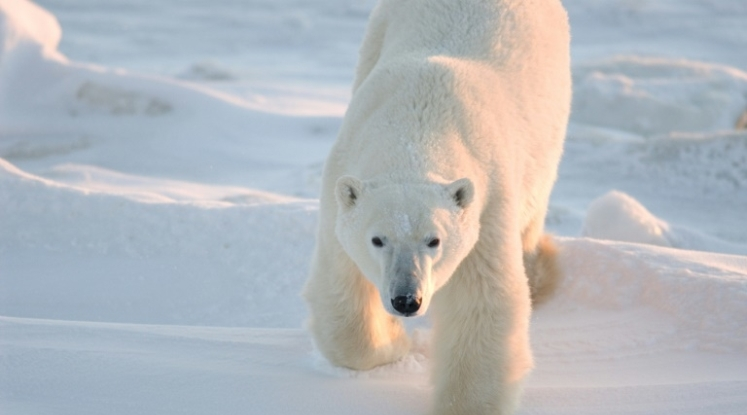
x,y
158,175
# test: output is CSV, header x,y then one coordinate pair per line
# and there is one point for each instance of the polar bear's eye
x,y
434,243
377,242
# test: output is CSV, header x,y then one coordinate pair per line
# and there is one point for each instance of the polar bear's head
x,y
407,239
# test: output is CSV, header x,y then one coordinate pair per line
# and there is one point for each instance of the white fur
x,y
454,132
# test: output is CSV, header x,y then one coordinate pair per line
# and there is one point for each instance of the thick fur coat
x,y
436,191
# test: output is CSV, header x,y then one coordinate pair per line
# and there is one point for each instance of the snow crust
x,y
159,165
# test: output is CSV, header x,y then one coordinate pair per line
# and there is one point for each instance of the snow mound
x,y
26,29
617,216
649,96
29,36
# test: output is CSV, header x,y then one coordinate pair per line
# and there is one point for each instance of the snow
x,y
651,96
159,167
619,217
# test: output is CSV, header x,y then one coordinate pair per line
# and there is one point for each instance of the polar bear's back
x,y
501,33
500,69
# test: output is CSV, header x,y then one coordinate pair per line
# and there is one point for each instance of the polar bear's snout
x,y
406,296
407,304
408,276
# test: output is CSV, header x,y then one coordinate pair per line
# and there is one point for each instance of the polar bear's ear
x,y
347,191
462,192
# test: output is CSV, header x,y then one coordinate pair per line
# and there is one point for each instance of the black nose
x,y
406,304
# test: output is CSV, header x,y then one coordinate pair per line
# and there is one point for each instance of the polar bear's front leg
x,y
481,339
348,322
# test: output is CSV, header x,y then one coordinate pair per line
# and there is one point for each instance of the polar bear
x,y
435,193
